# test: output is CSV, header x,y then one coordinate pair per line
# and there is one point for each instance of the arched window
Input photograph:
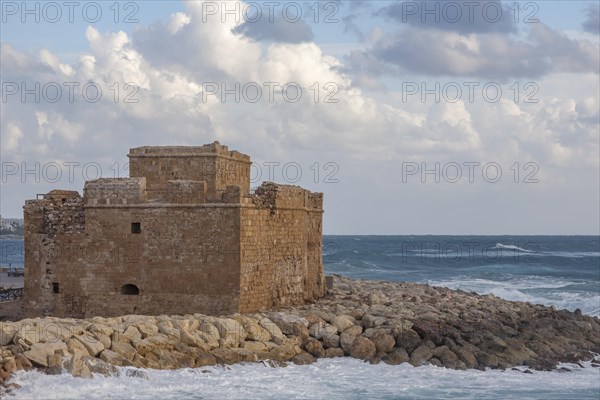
x,y
130,289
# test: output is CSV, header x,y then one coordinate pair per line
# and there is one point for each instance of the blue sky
x,y
64,37
544,124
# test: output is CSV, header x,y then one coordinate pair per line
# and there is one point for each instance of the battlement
x,y
214,149
272,195
113,191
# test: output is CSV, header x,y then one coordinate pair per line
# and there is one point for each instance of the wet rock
x,y
315,348
97,366
205,359
384,342
136,373
409,340
303,359
348,336
331,341
420,355
113,358
362,348
397,356
334,352
466,357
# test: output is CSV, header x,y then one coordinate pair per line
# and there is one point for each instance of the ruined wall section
x,y
277,248
115,191
213,163
60,214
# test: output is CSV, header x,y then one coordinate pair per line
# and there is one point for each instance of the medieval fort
x,y
183,234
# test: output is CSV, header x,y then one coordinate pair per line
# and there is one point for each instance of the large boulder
x,y
147,328
38,352
315,348
409,340
7,332
322,329
231,332
384,342
156,342
124,350
93,345
421,355
195,340
334,352
226,356
290,324
255,331
276,334
126,336
342,322
113,358
331,341
362,348
255,347
303,359
166,328
101,328
348,336
466,357
396,357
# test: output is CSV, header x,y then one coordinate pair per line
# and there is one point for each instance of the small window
x,y
63,200
130,290
136,227
55,288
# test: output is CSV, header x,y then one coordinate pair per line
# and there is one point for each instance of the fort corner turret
x,y
183,234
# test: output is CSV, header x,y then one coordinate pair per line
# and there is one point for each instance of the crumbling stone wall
x,y
153,245
281,259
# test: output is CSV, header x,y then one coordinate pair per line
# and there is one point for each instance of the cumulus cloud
x,y
485,55
279,30
462,17
592,22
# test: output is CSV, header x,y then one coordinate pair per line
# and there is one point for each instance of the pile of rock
x,y
373,321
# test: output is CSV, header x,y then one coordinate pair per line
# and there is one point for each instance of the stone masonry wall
x,y
281,263
178,262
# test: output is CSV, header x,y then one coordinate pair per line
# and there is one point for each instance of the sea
x,y
559,271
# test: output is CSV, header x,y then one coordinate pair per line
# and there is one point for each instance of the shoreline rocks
x,y
369,320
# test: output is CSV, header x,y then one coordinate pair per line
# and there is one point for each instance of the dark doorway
x,y
130,289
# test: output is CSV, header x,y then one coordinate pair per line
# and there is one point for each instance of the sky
x,y
438,117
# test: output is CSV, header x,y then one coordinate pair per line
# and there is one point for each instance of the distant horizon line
x,y
434,234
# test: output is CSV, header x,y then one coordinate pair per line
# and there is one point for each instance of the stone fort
x,y
183,234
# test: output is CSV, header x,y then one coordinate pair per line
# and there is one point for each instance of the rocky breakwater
x,y
373,321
